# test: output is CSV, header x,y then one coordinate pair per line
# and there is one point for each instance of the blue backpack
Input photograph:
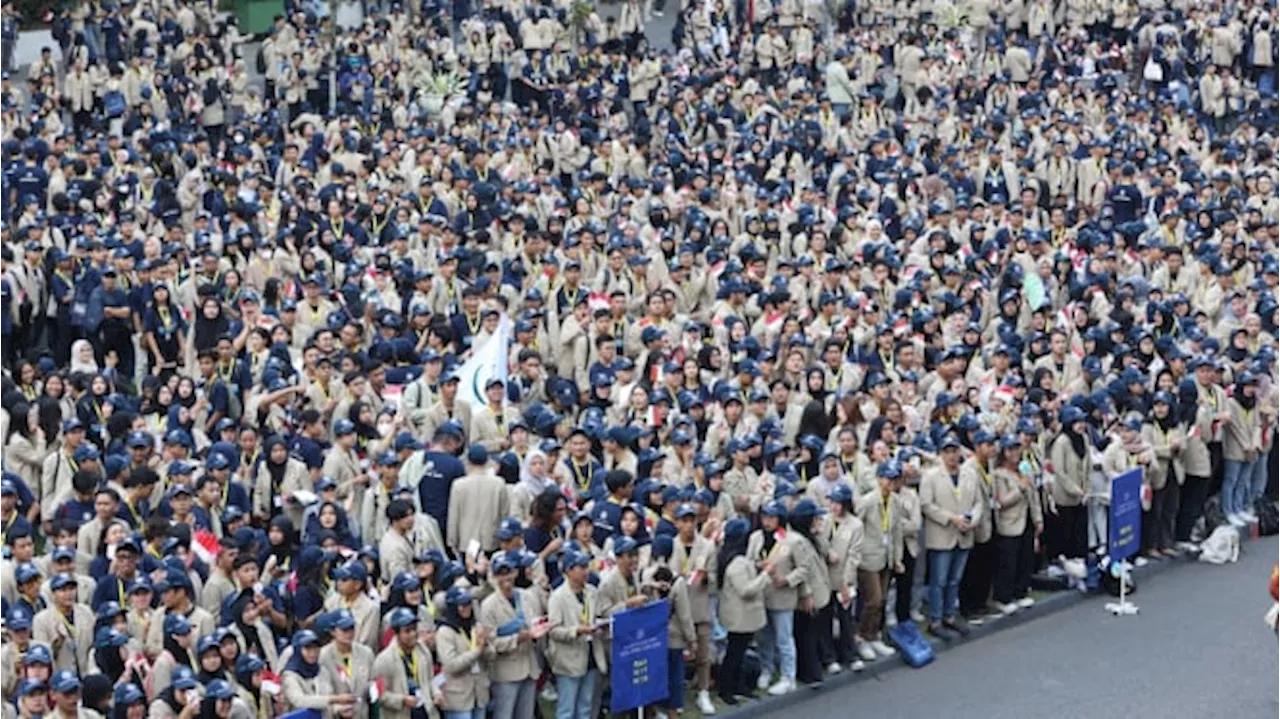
x,y
915,648
113,103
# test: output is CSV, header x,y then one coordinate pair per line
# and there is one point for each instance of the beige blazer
x,y
941,501
513,659
1015,504
464,665
786,564
389,666
742,608
343,677
685,562
71,649
566,650
1167,457
1070,472
477,503
880,550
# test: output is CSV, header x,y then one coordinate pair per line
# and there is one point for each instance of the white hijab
x,y
531,484
90,367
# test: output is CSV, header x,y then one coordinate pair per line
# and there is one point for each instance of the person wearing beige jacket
x,y
742,604
842,544
574,651
511,617
975,585
950,503
1241,448
776,642
1018,521
881,518
464,648
1068,519
1164,435
405,668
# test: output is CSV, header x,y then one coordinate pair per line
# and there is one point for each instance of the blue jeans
x,y
1258,486
477,713
1236,483
777,641
514,700
576,694
946,567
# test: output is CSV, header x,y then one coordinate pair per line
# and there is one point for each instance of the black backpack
x,y
1268,517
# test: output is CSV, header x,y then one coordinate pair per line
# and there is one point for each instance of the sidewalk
x,y
771,705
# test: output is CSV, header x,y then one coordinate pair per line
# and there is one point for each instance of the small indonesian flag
x,y
271,682
901,326
598,301
376,688
206,545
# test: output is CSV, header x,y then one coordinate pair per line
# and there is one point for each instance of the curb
x,y
1050,605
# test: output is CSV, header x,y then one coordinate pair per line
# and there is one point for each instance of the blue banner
x,y
1125,531
638,664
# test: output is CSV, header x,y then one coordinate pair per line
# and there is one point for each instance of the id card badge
x,y
994,504
475,668
884,541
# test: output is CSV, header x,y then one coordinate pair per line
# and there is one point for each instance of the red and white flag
x,y
205,545
270,682
376,688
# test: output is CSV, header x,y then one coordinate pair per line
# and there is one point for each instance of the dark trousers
x,y
1067,532
975,586
1158,523
1015,560
731,681
118,337
826,625
1218,468
1191,496
807,629
843,645
906,584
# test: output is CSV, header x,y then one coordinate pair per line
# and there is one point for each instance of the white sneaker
x,y
834,668
883,649
1007,609
704,703
1236,520
866,652
1140,562
657,13
783,686
891,620
1189,546
857,665
549,693
1026,602
917,616
763,682
1248,516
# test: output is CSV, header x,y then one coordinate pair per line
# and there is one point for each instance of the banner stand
x,y
1123,607
1124,532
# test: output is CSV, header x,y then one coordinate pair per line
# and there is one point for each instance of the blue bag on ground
x,y
916,650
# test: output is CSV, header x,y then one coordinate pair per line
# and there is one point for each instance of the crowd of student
x,y
827,318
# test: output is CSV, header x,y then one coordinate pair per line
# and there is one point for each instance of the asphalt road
x,y
1198,649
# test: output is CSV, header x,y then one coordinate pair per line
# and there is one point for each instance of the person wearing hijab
x,y
1164,434
777,638
280,551
300,681
245,623
1241,449
534,480
279,477
177,653
95,695
82,358
345,664
742,605
1067,522
464,650
209,660
249,686
109,656
177,698
814,615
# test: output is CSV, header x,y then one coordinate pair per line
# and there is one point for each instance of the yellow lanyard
x,y
499,420
886,509
410,660
8,526
581,475
70,622
851,467
986,478
165,318
346,663
585,616
137,518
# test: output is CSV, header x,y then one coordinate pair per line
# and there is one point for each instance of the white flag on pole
x,y
486,362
